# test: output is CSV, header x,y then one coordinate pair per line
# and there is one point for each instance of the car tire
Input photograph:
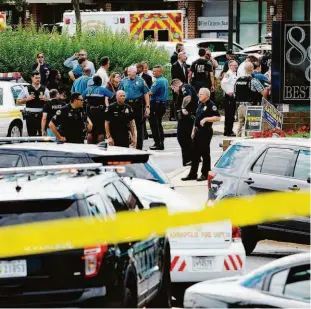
x,y
15,130
249,239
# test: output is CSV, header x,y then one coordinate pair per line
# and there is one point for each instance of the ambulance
x,y
160,26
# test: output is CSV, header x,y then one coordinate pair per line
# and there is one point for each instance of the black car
x,y
253,166
128,274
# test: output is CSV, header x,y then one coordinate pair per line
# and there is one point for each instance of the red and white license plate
x,y
13,269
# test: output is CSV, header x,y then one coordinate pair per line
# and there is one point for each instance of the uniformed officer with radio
x,y
35,97
202,133
187,101
72,121
137,93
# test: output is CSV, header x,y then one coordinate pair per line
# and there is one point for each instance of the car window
x,y
10,160
234,156
292,283
213,46
115,198
62,160
302,167
16,90
275,161
1,96
221,59
128,197
96,205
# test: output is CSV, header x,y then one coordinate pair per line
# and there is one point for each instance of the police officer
x,y
202,134
49,111
248,91
35,97
120,122
96,99
202,75
227,85
72,121
137,92
186,106
158,103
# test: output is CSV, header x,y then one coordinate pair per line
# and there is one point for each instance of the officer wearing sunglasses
x,y
43,68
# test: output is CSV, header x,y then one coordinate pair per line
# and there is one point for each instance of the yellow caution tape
x,y
130,226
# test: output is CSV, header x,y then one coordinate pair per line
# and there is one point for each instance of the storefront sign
x,y
291,68
253,118
222,35
271,115
213,23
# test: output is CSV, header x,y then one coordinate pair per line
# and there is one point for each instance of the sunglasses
x,y
82,55
40,57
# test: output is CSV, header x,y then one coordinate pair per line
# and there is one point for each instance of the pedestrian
x,y
77,72
202,133
42,67
257,74
227,85
83,82
62,94
241,70
145,76
147,71
214,64
120,123
201,73
102,71
179,71
137,93
158,103
113,85
72,62
49,111
248,91
96,99
178,48
55,80
72,121
186,107
229,56
35,97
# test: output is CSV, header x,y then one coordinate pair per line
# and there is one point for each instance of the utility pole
x,y
230,26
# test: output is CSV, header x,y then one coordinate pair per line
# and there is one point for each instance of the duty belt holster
x,y
27,114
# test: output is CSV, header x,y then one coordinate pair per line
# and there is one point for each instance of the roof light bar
x,y
29,139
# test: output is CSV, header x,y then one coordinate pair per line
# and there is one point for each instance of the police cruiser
x,y
125,275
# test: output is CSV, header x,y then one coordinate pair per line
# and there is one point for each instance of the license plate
x,y
202,263
13,269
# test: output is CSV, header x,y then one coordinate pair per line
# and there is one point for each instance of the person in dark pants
x,y
186,107
137,93
202,75
72,121
119,122
227,85
35,96
159,97
202,134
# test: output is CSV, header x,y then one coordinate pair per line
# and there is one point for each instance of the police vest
x,y
243,92
36,102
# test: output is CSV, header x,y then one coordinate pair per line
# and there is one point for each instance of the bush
x,y
19,47
302,132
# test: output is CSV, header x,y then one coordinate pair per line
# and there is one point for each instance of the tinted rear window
x,y
20,212
234,157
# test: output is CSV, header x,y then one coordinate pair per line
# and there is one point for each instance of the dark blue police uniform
x,y
158,104
135,89
185,122
202,138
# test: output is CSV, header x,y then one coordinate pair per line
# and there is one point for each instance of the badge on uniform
x,y
183,89
126,111
214,108
205,108
58,112
137,83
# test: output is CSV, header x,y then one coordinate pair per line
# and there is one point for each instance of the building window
x,y
252,21
298,10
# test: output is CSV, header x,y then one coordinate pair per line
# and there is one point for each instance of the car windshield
x,y
21,212
234,157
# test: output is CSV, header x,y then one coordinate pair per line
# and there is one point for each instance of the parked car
x,y
257,49
128,274
283,283
254,166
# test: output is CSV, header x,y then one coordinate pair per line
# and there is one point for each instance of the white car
x,y
283,283
11,120
257,49
199,252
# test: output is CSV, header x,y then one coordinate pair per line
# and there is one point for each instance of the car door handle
x,y
249,181
294,188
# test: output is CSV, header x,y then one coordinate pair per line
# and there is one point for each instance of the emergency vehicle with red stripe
x,y
160,26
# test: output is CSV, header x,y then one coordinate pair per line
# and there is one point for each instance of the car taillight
x,y
236,234
93,257
210,176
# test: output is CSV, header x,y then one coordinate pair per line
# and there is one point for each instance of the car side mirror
x,y
156,205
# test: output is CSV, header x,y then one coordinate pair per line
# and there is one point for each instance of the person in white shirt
x,y
102,71
241,70
227,85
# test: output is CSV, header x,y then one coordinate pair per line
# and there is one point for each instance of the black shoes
x,y
232,134
202,178
189,177
155,147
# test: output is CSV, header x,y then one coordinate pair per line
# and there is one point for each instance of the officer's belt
x,y
244,103
138,100
158,101
33,110
98,106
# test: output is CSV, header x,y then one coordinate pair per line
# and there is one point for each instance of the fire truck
x,y
162,26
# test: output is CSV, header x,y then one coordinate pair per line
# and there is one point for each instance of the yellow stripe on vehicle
x,y
12,114
131,226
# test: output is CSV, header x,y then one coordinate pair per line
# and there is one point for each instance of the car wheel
x,y
249,239
15,130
